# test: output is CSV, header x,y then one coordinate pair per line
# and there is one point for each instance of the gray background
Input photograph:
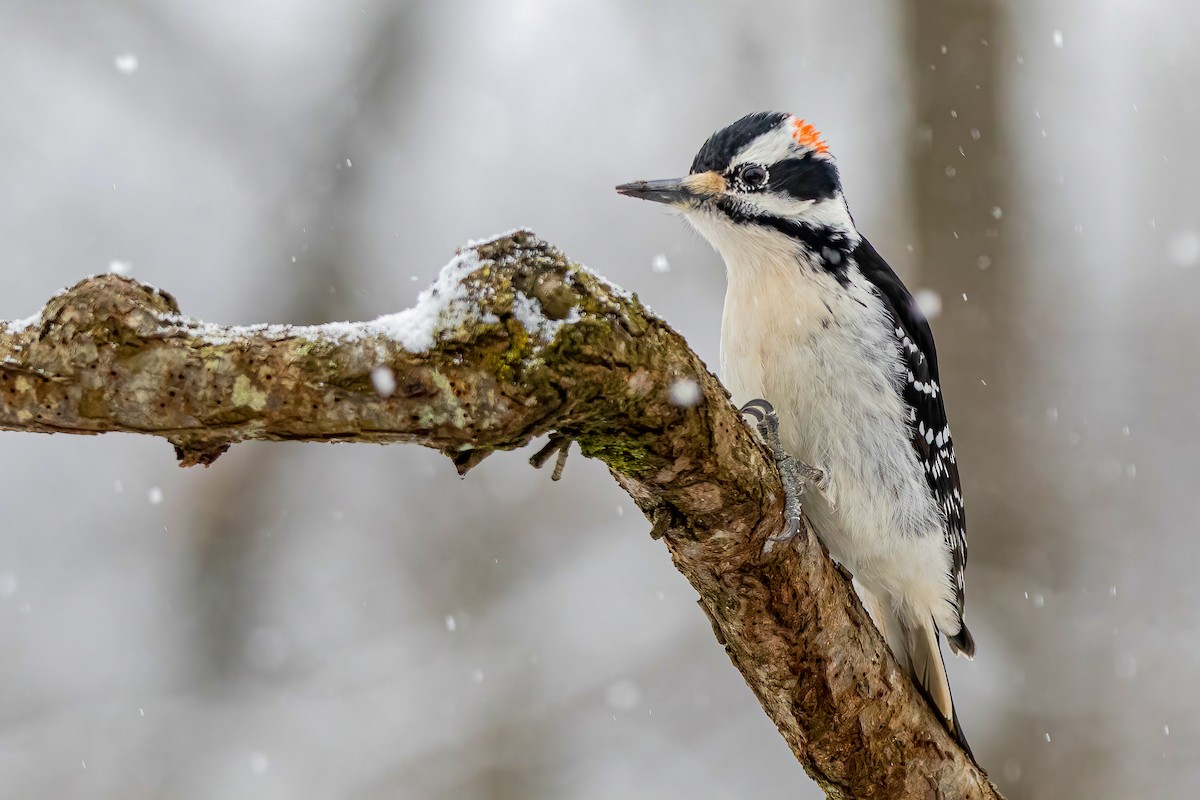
x,y
356,622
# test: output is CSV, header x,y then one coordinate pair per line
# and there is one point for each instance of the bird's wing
x,y
930,431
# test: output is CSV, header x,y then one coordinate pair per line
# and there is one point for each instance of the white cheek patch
x,y
779,205
828,213
831,212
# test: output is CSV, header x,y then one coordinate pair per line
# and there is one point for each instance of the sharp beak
x,y
672,192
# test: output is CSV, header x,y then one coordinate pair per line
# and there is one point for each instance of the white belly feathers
x,y
834,382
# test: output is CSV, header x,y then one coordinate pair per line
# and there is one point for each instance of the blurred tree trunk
x,y
970,234
962,200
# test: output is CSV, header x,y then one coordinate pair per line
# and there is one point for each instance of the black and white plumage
x,y
930,429
816,323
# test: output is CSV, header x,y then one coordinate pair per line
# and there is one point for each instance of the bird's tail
x,y
919,652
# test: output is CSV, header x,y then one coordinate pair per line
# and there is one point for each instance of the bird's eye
x,y
753,176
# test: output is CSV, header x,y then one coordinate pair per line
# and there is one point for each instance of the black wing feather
x,y
927,416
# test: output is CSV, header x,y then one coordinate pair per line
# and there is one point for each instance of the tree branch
x,y
515,341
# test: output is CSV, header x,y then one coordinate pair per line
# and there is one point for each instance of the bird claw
x,y
795,474
792,473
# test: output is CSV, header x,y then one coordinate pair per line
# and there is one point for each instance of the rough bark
x,y
525,343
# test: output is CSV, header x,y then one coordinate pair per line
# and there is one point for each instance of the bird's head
x,y
766,181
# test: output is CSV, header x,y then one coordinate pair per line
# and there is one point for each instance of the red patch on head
x,y
808,136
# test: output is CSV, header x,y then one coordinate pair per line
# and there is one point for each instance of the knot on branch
x,y
191,451
111,308
537,270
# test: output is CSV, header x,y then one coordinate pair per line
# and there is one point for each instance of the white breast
x,y
824,356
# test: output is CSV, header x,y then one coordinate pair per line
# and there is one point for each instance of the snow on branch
x,y
512,342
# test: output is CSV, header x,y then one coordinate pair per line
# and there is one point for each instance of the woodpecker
x,y
818,326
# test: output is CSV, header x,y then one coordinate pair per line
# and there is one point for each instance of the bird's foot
x,y
796,475
558,444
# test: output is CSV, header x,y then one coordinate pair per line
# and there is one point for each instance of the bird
x,y
820,336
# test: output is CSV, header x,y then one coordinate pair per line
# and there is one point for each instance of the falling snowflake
x,y
929,302
126,63
685,393
384,381
259,764
1184,249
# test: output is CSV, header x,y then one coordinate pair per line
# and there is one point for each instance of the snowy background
x,y
307,621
